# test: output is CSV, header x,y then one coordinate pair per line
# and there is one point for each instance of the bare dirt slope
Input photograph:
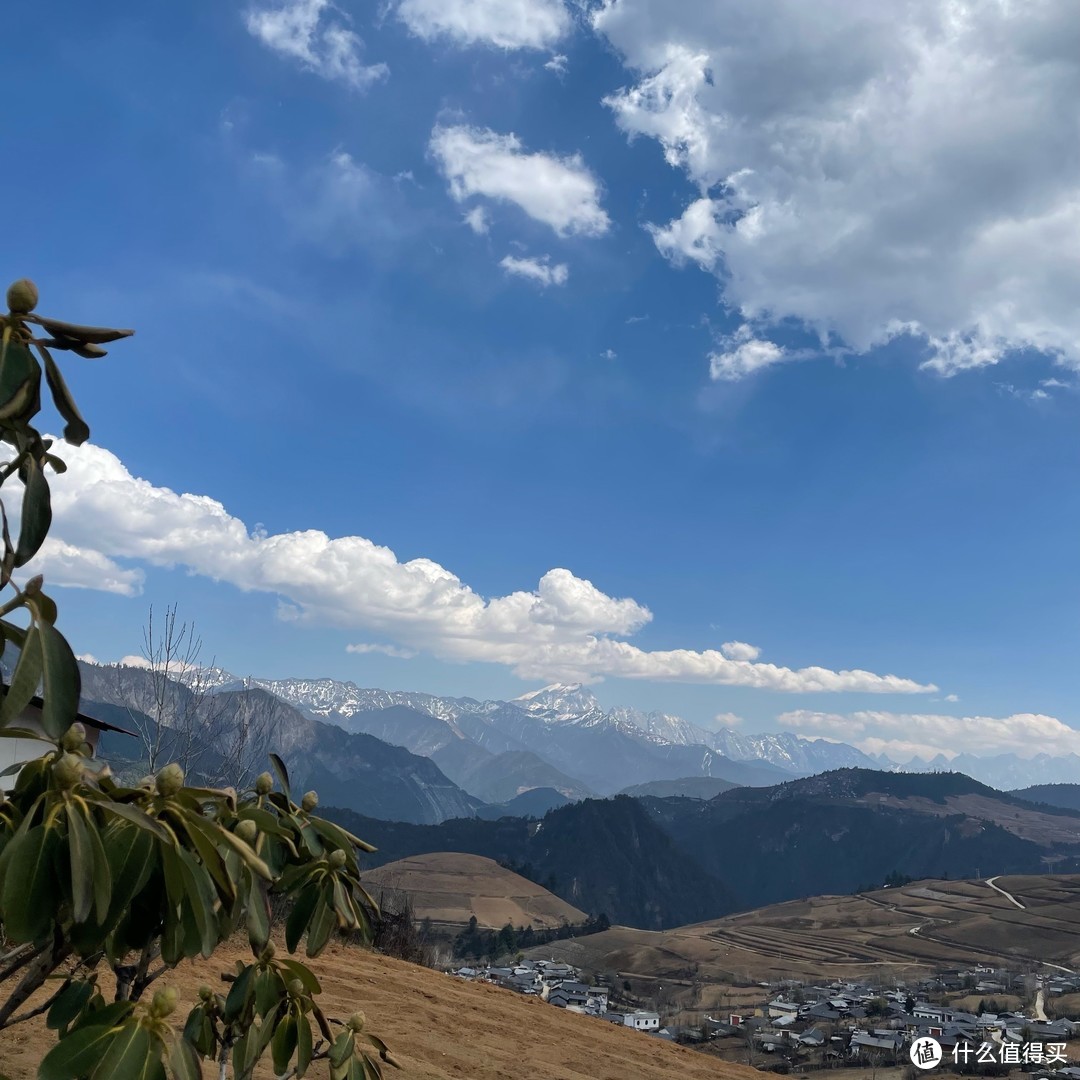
x,y
450,887
919,926
441,1028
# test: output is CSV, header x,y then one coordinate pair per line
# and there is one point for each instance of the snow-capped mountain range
x,y
564,728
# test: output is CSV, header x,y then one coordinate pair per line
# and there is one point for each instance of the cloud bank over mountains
x,y
565,628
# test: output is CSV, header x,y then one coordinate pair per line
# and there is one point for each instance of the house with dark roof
x,y
35,742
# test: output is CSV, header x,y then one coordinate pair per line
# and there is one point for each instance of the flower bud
x,y
67,771
337,859
309,801
22,296
268,953
357,1022
205,993
264,784
74,737
247,831
170,780
296,988
164,1001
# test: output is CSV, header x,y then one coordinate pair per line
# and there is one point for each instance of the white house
x,y
15,751
642,1021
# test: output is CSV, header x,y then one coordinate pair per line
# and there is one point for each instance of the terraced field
x,y
926,925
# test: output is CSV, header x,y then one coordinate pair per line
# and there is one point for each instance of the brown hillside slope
x,y
450,887
912,929
441,1028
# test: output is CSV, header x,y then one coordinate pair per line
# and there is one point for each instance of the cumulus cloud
x,y
739,650
539,270
565,629
870,169
744,358
298,30
82,568
477,220
505,24
557,64
903,736
558,191
724,720
395,651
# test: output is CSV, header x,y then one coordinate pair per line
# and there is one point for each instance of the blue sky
x,y
762,327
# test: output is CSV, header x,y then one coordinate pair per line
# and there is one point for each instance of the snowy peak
x,y
562,703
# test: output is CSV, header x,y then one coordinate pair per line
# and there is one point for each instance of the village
x,y
800,1027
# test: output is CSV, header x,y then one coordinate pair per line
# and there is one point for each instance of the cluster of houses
x,y
845,1021
560,985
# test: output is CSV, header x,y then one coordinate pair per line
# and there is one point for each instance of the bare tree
x,y
245,728
171,690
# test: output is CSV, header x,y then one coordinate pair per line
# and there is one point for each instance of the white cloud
x,y
395,651
726,720
905,735
297,29
745,358
564,629
739,650
138,661
558,191
952,697
506,24
539,270
871,169
609,354
557,64
82,568
477,220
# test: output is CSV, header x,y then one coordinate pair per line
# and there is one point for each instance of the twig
x,y
17,958
45,1007
34,977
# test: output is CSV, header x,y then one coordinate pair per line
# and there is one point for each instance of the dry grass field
x,y
441,1028
890,933
448,888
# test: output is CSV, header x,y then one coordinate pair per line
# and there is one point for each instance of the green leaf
x,y
283,1044
322,924
269,990
28,895
342,1049
304,1047
17,367
77,1053
258,912
61,682
133,1054
82,867
302,972
36,513
72,1000
300,916
140,818
130,855
183,1061
282,774
199,1032
24,680
99,1014
246,853
240,994
204,835
339,837
95,335
76,430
